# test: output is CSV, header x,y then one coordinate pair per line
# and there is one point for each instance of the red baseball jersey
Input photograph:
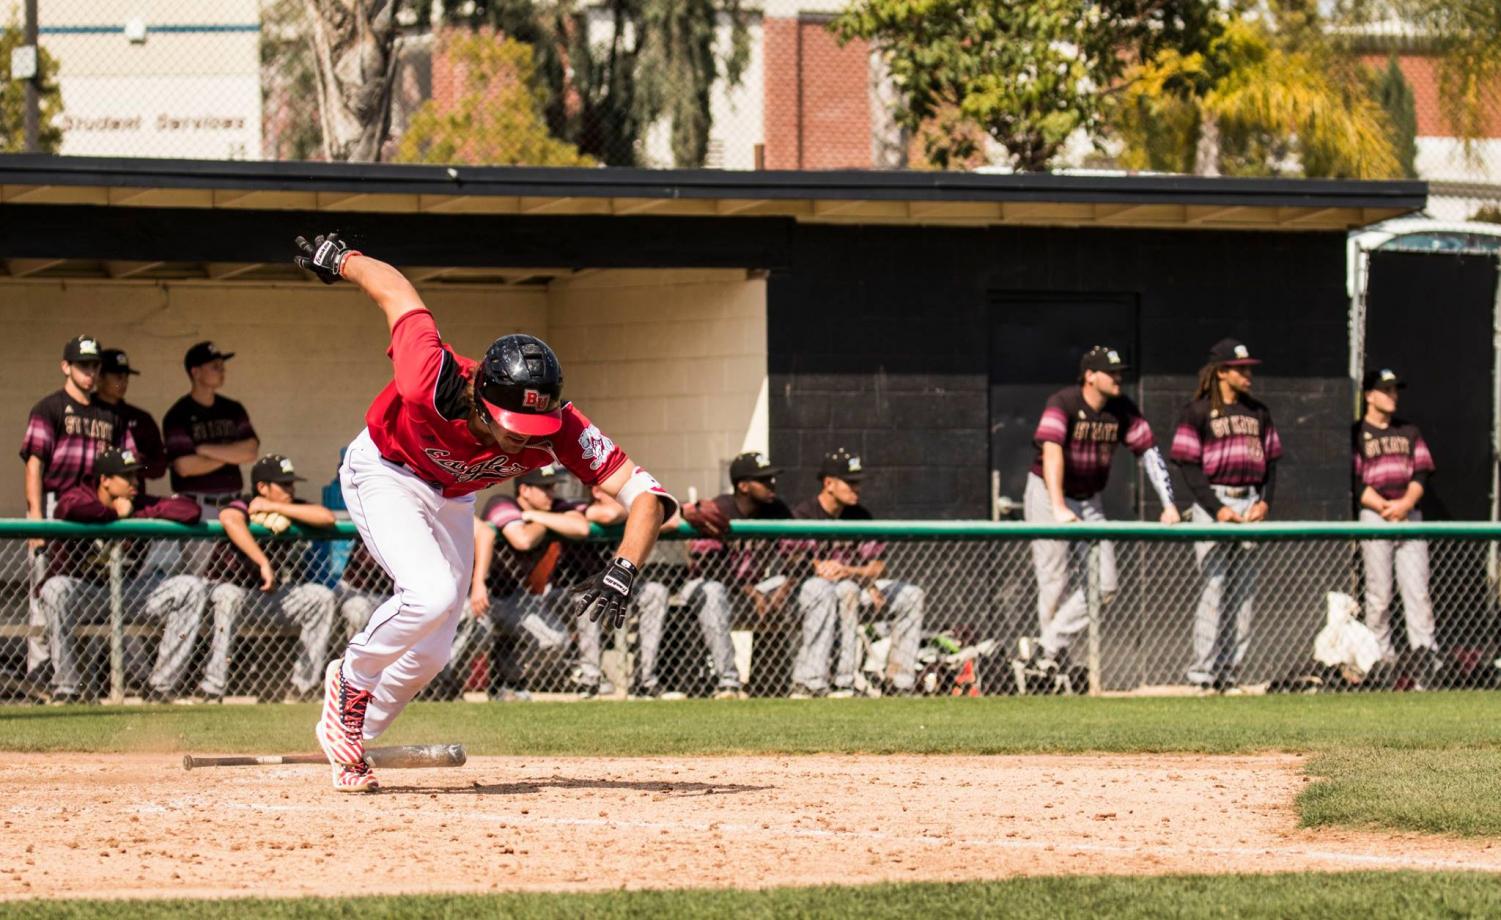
x,y
420,421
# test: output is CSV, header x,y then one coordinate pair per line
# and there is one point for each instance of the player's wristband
x,y
345,260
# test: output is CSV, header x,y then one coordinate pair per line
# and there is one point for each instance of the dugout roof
x,y
143,192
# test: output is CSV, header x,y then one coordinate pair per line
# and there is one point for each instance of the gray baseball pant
x,y
710,602
651,609
311,608
355,609
827,605
511,619
176,603
1409,559
1062,568
1222,621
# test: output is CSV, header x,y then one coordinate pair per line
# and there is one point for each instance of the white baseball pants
x,y
425,542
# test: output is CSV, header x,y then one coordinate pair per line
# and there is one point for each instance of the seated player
x,y
715,564
847,576
262,583
517,592
77,590
651,605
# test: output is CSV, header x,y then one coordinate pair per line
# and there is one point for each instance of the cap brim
x,y
1241,362
531,424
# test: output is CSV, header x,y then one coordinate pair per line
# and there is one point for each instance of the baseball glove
x,y
274,521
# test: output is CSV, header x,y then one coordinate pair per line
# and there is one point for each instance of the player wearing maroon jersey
x,y
65,431
1080,428
141,433
442,430
1227,448
1392,465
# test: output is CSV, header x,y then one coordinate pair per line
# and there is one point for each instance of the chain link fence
x,y
717,85
157,612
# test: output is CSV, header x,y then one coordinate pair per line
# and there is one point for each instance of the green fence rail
x,y
20,528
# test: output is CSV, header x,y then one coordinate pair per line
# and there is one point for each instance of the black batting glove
x,y
608,595
324,256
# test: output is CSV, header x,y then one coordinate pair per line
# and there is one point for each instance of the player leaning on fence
x,y
1227,448
445,428
77,589
847,577
265,583
1076,438
1392,465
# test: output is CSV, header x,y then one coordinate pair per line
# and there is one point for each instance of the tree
x,y
1394,93
288,81
1250,104
498,119
355,52
1466,35
1029,74
652,59
13,98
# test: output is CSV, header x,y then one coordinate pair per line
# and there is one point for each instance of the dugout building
x,y
918,319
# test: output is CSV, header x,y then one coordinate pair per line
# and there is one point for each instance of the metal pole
x,y
33,97
1093,604
116,624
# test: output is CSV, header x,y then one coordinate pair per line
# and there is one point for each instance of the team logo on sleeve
x,y
595,446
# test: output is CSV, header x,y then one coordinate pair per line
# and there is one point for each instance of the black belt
x,y
427,482
216,501
1235,491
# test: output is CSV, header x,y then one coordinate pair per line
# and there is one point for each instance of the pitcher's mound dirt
x,y
138,825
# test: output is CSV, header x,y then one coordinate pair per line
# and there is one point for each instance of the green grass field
x,y
1328,897
1419,762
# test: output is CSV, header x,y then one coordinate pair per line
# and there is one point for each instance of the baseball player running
x,y
1392,465
444,428
1076,438
1227,448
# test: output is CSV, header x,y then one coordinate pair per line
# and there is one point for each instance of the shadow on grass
x,y
534,786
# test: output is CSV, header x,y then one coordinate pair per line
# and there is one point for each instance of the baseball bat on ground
x,y
414,756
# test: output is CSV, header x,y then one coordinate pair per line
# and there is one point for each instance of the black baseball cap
x,y
1385,377
203,353
81,348
116,362
274,468
115,461
549,475
841,465
752,465
1231,353
1102,358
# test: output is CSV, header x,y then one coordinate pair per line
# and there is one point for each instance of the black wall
x,y
878,342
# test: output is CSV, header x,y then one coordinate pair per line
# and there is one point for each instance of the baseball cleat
x,y
354,779
341,728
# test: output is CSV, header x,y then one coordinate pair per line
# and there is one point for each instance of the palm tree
x,y
1250,105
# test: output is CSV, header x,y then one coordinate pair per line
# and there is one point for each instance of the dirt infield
x,y
138,825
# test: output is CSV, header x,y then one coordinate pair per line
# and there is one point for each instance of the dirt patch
x,y
138,825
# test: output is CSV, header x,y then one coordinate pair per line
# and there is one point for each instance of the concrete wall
x,y
672,364
878,342
308,359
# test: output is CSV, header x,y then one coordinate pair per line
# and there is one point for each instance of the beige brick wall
x,y
308,361
672,364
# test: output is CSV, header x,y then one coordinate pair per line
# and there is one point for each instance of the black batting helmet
x,y
520,385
